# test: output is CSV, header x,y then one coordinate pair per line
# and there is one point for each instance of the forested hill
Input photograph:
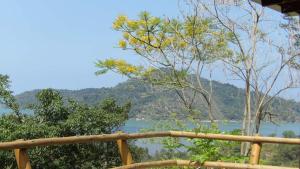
x,y
152,102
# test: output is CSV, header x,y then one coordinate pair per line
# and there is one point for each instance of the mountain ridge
x,y
155,102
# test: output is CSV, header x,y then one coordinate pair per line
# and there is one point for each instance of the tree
x,y
176,52
282,154
51,107
7,98
53,118
237,32
260,58
293,28
289,134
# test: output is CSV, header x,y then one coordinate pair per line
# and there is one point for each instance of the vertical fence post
x,y
124,152
22,159
255,153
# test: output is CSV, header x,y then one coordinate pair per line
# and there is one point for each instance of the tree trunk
x,y
246,127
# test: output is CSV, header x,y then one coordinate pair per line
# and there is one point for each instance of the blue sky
x,y
55,43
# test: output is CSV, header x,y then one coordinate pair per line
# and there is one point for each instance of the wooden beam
x,y
186,163
124,152
255,153
22,159
270,2
290,6
125,136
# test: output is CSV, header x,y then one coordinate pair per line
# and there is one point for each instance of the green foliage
x,y
51,108
120,66
202,150
6,96
199,150
54,118
166,154
281,154
212,150
284,155
289,134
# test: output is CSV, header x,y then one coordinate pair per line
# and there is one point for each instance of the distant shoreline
x,y
208,121
267,128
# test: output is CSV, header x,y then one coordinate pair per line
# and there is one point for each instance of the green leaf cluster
x,y
6,96
52,117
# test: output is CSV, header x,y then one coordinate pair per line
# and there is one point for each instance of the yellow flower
x,y
120,63
131,69
140,32
144,38
166,42
133,41
132,24
109,63
182,44
122,44
142,22
126,35
154,21
148,72
119,22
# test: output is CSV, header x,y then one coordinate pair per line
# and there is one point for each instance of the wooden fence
x,y
20,148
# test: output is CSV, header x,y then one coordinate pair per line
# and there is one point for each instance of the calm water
x,y
4,110
133,126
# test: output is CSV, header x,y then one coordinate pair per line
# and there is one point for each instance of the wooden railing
x,y
20,148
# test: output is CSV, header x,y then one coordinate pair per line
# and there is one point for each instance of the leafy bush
x,y
54,118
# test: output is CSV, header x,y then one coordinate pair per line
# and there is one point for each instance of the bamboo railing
x,y
186,163
20,148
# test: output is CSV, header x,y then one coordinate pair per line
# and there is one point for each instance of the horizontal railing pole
x,y
125,136
182,163
78,139
228,137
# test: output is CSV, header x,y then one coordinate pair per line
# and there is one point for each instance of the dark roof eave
x,y
289,7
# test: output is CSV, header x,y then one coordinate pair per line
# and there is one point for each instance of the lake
x,y
5,110
267,128
132,126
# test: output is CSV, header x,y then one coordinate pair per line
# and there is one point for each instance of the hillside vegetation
x,y
152,102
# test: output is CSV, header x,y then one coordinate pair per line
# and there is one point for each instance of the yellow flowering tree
x,y
176,50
